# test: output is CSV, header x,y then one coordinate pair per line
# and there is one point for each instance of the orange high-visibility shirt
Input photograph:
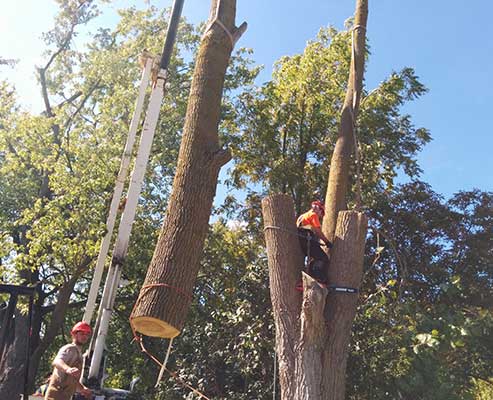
x,y
308,220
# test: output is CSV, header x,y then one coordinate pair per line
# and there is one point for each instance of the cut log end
x,y
154,327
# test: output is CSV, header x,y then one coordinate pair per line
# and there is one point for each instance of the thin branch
x,y
400,261
81,105
70,99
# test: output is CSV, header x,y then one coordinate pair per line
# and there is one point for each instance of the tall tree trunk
x,y
321,342
335,198
346,229
13,366
166,295
285,261
299,321
53,328
14,360
313,330
346,270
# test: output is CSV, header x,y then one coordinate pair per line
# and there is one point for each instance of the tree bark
x,y
312,332
346,229
346,269
335,198
301,331
14,360
310,347
285,262
167,292
53,328
321,342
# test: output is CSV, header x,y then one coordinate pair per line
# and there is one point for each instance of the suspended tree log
x,y
337,188
346,269
165,298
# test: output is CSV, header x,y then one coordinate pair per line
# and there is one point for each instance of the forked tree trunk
x,y
346,229
337,188
166,295
311,344
321,342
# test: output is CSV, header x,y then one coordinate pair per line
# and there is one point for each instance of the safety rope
x,y
216,20
333,288
163,367
138,339
307,236
173,374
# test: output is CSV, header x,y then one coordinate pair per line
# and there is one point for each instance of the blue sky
x,y
447,42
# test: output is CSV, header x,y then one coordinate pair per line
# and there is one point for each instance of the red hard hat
x,y
81,327
318,204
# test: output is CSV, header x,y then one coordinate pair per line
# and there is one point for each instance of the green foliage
x,y
58,169
424,324
287,128
419,331
408,340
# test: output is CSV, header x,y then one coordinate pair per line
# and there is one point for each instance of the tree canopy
x,y
424,322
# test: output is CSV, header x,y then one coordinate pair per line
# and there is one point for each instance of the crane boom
x,y
128,215
117,193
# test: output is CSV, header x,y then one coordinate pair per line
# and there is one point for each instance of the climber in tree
x,y
310,234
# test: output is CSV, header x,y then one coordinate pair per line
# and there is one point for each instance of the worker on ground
x,y
64,381
310,234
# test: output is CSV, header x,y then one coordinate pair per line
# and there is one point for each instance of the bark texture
x,y
167,292
285,262
301,329
13,365
322,336
346,269
313,330
312,340
335,198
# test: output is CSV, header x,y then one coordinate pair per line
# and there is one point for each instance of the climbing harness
x,y
331,288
